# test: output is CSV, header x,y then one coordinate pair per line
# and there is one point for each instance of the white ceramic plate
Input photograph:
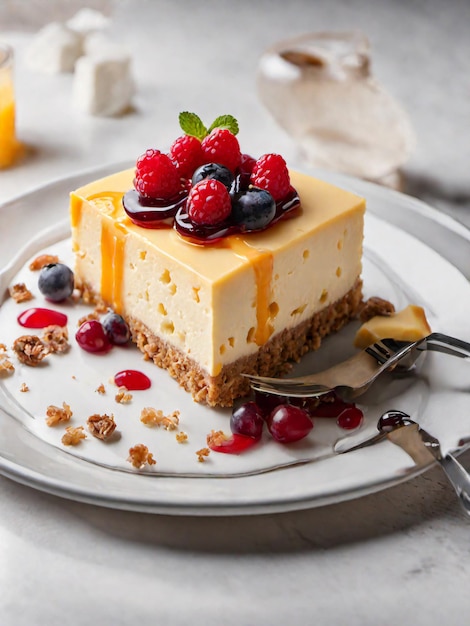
x,y
398,265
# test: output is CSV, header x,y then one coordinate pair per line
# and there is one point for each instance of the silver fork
x,y
353,377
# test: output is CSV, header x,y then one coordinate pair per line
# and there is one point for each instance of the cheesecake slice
x,y
250,303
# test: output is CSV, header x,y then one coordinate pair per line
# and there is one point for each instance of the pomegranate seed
x,y
289,423
92,337
350,418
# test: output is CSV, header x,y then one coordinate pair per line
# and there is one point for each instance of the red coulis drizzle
x,y
133,380
40,318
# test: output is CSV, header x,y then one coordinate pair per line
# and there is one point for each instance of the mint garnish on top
x,y
191,124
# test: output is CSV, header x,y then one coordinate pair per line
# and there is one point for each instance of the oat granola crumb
x,y
88,318
101,308
216,438
57,415
123,396
20,293
181,437
375,306
3,347
101,389
73,435
6,366
202,454
43,259
56,338
139,456
24,388
101,426
30,350
155,417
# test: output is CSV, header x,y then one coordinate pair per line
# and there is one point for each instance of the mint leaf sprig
x,y
191,124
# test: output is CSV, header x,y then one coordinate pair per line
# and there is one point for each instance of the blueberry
x,y
116,328
253,209
213,170
56,282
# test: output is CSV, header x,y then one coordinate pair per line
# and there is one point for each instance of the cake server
x,y
353,377
424,449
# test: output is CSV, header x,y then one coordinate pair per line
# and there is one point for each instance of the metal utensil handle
x,y
448,345
460,479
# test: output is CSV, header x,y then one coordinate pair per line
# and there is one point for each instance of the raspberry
x,y
209,202
156,176
186,152
270,173
222,147
247,164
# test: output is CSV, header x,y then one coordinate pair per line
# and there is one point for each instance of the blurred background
x,y
204,56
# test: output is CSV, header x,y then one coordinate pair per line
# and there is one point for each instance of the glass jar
x,y
9,145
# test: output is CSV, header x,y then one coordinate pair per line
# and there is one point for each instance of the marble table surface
x,y
395,557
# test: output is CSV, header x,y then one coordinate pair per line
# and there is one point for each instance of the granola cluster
x,y
123,396
101,426
30,350
73,435
56,338
140,456
43,259
155,417
57,415
20,293
202,454
6,366
216,438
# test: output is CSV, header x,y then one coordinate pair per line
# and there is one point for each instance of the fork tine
x,y
282,383
289,390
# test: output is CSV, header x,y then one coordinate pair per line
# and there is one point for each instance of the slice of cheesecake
x,y
250,303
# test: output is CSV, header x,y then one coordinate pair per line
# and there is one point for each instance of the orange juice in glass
x,y
8,143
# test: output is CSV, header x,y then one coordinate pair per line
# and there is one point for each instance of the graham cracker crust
x,y
272,359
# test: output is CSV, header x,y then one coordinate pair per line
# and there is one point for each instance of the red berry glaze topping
x,y
222,147
209,202
156,176
270,173
186,152
167,192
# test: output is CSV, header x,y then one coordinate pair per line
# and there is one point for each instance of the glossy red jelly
x,y
40,318
133,380
234,445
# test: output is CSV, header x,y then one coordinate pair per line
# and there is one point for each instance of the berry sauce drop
x,y
40,318
133,380
234,444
